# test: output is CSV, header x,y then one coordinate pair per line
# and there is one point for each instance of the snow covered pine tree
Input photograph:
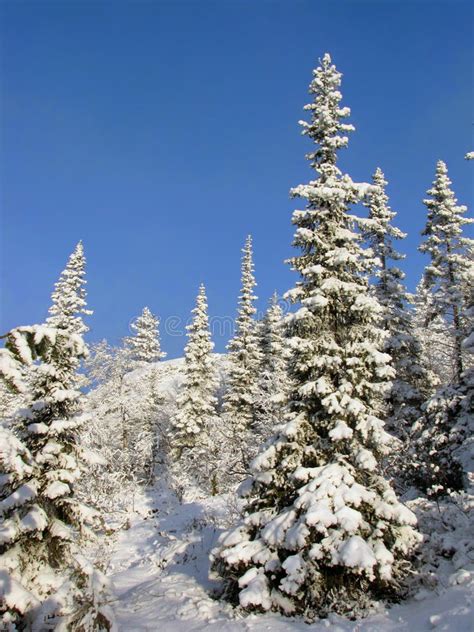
x,y
447,275
447,281
244,369
192,425
69,296
412,383
145,343
274,380
145,349
69,302
44,580
322,530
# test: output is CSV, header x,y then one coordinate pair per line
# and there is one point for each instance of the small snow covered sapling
x,y
322,530
145,344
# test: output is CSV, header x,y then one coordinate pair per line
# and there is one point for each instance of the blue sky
x,y
162,133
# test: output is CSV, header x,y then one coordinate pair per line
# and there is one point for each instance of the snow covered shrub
x,y
89,609
448,548
43,521
322,530
443,439
124,408
435,336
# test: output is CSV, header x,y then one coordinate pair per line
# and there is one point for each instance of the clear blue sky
x,y
161,133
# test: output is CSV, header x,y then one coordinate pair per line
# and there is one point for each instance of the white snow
x,y
340,431
14,595
357,553
159,568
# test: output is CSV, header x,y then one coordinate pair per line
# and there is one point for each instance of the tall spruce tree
x,y
464,428
69,296
446,277
139,423
322,530
44,576
447,287
412,383
145,345
244,353
274,380
193,429
196,401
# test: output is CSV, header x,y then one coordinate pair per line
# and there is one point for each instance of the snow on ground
x,y
159,570
159,565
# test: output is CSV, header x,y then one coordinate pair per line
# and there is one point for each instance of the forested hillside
x,y
320,472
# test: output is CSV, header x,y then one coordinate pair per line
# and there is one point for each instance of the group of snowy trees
x,y
124,414
55,446
322,529
212,442
361,392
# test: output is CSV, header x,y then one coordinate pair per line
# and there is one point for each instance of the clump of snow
x,y
356,553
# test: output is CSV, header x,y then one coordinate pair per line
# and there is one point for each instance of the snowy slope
x,y
169,374
160,567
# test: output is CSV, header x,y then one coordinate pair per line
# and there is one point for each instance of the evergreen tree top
x,y
69,295
444,213
381,216
145,343
326,127
247,297
449,249
199,335
330,248
380,234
